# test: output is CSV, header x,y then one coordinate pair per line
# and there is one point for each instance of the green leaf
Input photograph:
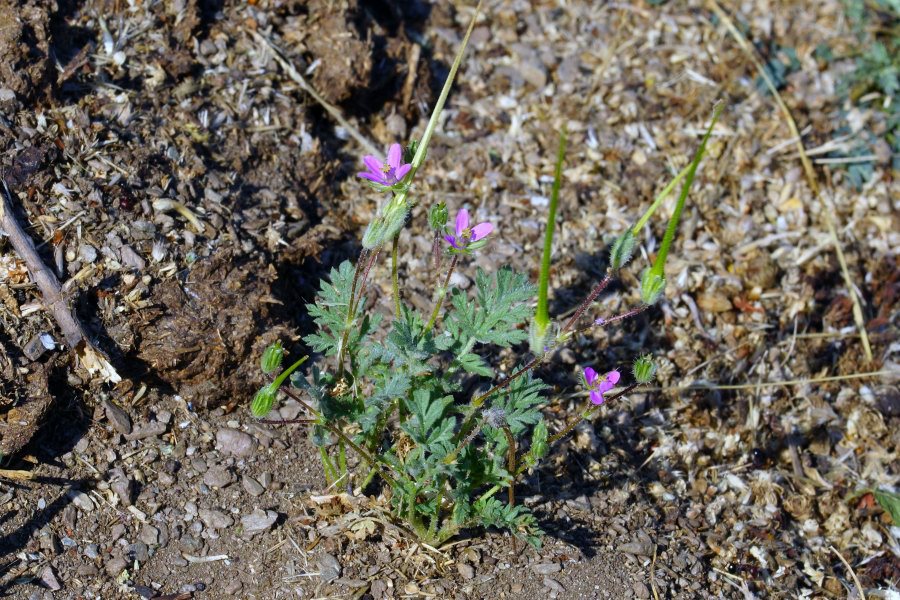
x,y
502,303
890,502
474,364
517,519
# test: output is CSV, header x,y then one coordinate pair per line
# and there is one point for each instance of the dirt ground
x,y
189,194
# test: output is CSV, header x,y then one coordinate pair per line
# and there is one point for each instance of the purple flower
x,y
465,235
386,174
598,386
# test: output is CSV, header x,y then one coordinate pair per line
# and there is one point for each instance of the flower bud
x,y
264,400
621,250
644,369
410,151
272,357
652,286
385,227
437,216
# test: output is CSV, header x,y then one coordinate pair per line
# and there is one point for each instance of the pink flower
x,y
386,174
464,235
598,386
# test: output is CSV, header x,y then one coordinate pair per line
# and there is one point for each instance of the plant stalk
x,y
442,293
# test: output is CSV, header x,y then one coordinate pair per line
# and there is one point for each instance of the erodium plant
x,y
395,393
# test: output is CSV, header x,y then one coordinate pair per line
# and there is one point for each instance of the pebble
x,y
233,587
637,548
517,588
116,566
48,578
640,590
252,486
215,519
553,585
146,430
546,568
466,571
139,552
258,521
82,501
149,535
218,477
117,417
123,487
234,442
329,567
92,551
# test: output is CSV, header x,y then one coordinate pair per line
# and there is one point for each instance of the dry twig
x,y
55,302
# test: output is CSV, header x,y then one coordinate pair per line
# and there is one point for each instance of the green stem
x,y
511,462
542,316
442,293
659,200
395,280
660,262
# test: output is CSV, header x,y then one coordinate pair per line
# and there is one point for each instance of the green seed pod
x,y
272,357
539,446
264,400
437,216
644,369
621,250
652,286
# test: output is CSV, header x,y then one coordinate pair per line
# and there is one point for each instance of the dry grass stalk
x,y
808,169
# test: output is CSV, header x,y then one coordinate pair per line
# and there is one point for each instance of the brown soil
x,y
190,194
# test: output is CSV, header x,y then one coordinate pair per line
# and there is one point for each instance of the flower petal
x,y
481,230
596,398
613,377
395,155
590,375
376,177
462,222
402,171
373,164
451,240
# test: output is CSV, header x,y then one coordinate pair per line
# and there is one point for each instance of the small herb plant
x,y
393,392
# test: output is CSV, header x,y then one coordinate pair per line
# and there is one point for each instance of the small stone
x,y
546,568
637,548
123,488
215,519
714,302
517,588
234,442
218,477
329,567
139,551
117,417
149,535
48,578
190,544
146,430
116,566
252,486
132,259
466,571
87,570
92,551
640,590
233,587
259,521
553,585
82,501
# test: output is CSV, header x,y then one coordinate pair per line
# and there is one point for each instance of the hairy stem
x,y
511,462
395,279
442,293
588,300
